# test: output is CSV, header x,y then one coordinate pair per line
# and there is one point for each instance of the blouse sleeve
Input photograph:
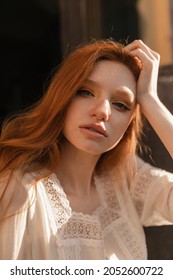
x,y
14,242
152,193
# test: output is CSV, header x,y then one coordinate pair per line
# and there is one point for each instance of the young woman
x,y
71,184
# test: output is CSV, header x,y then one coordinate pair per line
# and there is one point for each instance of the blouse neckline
x,y
58,186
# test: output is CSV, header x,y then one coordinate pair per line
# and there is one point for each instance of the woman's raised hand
x,y
153,109
147,82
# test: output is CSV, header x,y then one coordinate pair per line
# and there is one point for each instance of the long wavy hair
x,y
32,140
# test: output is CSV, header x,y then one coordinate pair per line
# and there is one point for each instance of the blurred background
x,y
37,34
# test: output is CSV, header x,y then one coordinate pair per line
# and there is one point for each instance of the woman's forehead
x,y
111,72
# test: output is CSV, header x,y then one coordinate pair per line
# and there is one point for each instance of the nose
x,y
102,110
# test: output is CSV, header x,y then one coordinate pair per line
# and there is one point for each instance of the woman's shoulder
x,y
16,177
148,175
145,167
16,191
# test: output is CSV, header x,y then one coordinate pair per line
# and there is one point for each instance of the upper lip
x,y
98,127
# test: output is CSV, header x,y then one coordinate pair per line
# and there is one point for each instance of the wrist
x,y
149,102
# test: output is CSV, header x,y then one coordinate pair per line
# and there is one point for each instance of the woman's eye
x,y
120,106
84,92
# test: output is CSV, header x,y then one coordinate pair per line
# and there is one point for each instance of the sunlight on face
x,y
102,110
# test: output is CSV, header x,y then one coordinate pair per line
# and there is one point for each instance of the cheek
x,y
120,125
73,110
68,124
71,119
122,120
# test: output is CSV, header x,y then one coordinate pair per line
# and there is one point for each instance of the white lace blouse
x,y
50,229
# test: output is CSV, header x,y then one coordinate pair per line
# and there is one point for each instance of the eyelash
x,y
84,92
118,105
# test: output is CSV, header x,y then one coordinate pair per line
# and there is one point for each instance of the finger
x,y
146,61
140,55
140,44
137,44
147,50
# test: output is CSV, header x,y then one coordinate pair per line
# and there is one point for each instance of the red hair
x,y
33,139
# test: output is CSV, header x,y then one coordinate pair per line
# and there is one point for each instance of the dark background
x,y
37,34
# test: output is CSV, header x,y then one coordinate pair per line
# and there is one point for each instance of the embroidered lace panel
x,y
74,228
83,225
135,247
141,188
60,205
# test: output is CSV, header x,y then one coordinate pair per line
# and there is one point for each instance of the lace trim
x,y
112,210
135,247
141,187
77,229
60,205
81,227
106,190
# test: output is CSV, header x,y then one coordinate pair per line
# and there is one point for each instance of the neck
x,y
76,170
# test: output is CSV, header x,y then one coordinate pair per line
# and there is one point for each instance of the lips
x,y
96,128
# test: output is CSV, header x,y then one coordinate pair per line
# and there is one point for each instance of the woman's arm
x,y
152,192
153,109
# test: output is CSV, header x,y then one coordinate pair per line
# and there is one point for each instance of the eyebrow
x,y
123,93
90,82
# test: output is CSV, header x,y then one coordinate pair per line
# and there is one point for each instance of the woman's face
x,y
102,109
